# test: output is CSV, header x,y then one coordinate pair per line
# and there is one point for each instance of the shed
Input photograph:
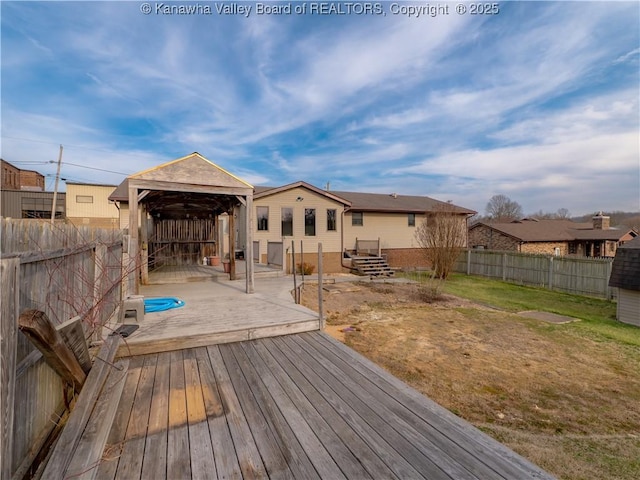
x,y
625,274
189,188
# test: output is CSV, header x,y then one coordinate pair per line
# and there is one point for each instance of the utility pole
x,y
55,188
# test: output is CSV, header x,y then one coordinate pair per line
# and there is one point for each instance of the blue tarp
x,y
161,304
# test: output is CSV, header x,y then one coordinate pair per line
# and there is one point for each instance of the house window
x,y
263,218
287,222
357,219
331,220
411,219
84,198
310,222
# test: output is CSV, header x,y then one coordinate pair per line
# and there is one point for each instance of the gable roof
x,y
370,202
193,168
625,271
546,230
394,203
261,192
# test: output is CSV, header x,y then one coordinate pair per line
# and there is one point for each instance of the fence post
x,y
550,273
468,261
10,272
295,280
320,312
607,289
99,272
504,267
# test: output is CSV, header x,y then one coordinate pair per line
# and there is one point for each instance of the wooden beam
x,y
241,200
68,441
133,267
39,330
232,244
73,335
142,194
144,242
10,273
320,292
248,250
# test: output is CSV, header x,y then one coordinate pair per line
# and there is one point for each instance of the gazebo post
x,y
248,249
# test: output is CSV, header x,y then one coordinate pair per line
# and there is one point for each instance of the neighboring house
x,y
88,204
552,237
303,212
14,178
625,274
28,204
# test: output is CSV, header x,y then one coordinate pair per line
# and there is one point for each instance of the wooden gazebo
x,y
194,191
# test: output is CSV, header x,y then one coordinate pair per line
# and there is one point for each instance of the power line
x,y
91,168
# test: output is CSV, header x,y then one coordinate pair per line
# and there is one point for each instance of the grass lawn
x,y
598,316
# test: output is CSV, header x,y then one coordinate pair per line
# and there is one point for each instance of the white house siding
x,y
99,212
629,306
331,240
392,228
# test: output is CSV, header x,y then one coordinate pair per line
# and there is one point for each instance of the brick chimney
x,y
601,222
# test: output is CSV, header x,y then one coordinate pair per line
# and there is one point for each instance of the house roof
x,y
625,271
380,202
261,192
545,230
371,202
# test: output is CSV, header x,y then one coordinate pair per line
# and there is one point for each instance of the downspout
x,y
342,241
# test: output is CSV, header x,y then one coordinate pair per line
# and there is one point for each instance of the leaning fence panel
x,y
64,271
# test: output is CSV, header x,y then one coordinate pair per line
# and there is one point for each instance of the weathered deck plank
x,y
178,455
225,456
380,443
111,456
297,406
248,455
132,455
154,464
202,460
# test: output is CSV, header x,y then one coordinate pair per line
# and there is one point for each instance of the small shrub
x,y
305,268
430,291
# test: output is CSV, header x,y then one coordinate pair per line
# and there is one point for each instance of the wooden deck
x,y
218,312
297,406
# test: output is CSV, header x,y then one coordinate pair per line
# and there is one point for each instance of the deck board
x,y
154,464
178,454
296,406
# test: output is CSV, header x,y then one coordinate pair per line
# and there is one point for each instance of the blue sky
x,y
538,102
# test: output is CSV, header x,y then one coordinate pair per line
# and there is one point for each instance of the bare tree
x,y
501,208
563,214
442,236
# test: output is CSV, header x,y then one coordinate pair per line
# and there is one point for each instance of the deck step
x,y
371,266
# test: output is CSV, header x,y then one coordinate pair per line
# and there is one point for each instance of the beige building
x,y
88,204
346,223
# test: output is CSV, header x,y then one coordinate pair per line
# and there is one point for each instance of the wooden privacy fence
x,y
65,272
577,275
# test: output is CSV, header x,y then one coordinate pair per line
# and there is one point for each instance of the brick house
x,y
14,178
551,237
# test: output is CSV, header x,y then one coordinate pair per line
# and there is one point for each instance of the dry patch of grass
x,y
562,397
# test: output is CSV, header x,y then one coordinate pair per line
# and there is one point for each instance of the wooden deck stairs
x,y
372,266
